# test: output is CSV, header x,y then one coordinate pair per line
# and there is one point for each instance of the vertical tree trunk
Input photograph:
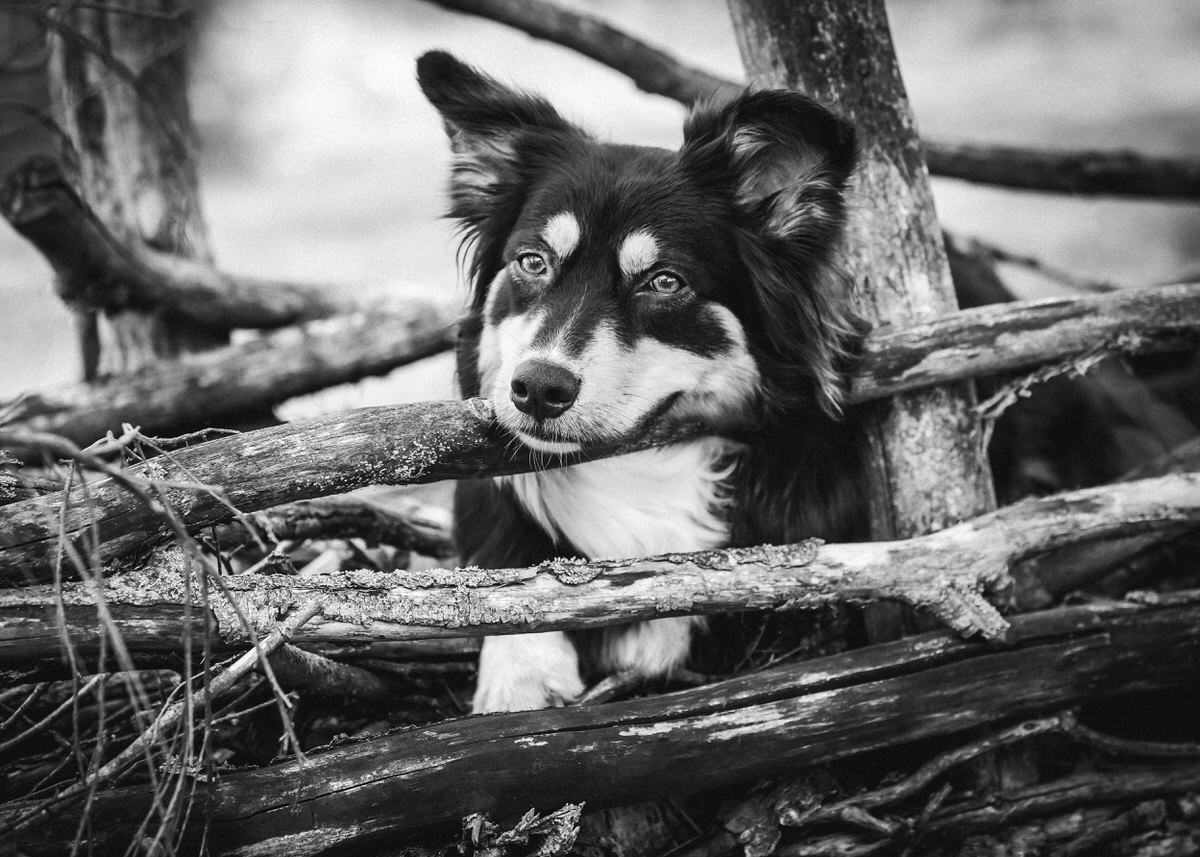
x,y
118,76
927,467
926,463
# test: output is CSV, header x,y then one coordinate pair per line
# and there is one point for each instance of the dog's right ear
x,y
495,132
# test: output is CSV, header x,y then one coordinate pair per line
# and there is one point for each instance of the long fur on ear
x,y
500,138
784,160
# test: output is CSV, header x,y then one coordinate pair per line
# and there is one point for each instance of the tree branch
x,y
653,70
768,723
220,386
1007,337
1084,171
946,572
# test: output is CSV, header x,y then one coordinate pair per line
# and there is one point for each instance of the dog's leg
x,y
651,648
522,672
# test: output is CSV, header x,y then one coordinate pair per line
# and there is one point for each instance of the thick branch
x,y
765,724
945,572
654,70
97,269
1005,337
405,444
218,387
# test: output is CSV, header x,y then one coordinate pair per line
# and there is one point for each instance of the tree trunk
x,y
118,79
926,458
927,468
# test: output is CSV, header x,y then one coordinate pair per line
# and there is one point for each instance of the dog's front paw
x,y
523,672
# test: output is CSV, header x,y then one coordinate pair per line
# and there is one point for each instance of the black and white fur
x,y
614,284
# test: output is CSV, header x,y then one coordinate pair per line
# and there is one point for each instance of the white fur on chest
x,y
669,499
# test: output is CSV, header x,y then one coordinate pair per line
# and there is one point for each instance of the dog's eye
x,y
532,264
666,283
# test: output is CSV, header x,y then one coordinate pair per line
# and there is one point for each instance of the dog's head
x,y
616,283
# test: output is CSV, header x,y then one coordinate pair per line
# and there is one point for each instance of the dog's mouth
x,y
555,437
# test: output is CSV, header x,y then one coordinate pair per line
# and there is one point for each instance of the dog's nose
x,y
543,389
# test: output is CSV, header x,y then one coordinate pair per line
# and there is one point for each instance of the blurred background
x,y
321,161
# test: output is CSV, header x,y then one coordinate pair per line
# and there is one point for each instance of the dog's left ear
x,y
784,160
496,133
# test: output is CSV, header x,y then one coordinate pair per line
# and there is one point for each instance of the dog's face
x,y
615,284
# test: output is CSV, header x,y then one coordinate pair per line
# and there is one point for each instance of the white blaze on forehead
x,y
638,252
561,232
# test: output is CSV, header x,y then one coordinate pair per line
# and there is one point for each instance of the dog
x,y
613,285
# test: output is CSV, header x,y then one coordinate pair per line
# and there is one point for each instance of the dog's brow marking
x,y
561,232
638,252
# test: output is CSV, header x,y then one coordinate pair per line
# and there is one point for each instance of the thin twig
x,y
48,721
927,773
170,716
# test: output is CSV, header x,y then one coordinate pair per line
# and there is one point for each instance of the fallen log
x,y
946,572
361,794
653,70
451,440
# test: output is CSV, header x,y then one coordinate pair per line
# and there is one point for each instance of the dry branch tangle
x,y
946,572
767,723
